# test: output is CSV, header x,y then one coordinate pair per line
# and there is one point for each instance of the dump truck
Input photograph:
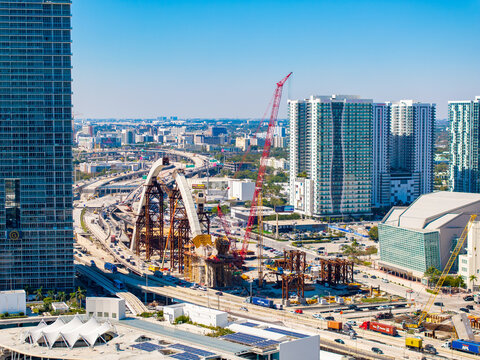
x,y
379,327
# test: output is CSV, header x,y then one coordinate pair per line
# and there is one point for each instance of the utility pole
x,y
276,232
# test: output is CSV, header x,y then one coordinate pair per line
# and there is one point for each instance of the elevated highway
x,y
132,302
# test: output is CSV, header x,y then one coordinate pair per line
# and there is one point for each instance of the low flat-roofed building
x,y
414,238
13,301
104,307
291,225
60,307
242,213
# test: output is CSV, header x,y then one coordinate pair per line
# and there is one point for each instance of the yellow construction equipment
x,y
445,272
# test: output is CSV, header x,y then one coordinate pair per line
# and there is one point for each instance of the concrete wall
x,y
305,349
102,307
13,301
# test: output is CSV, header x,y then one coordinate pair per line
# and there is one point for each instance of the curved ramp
x,y
198,237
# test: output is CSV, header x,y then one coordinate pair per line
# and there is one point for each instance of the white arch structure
x,y
198,237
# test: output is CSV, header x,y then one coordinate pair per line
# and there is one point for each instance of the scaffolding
x,y
336,271
293,278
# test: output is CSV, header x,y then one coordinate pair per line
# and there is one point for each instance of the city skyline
x,y
145,59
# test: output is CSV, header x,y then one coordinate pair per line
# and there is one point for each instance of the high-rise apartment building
x,y
331,155
36,235
412,126
381,155
464,119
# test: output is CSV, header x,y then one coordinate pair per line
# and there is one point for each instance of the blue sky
x,y
206,58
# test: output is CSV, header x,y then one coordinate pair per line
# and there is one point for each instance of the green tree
x,y
472,279
38,294
73,296
80,295
62,296
373,233
51,294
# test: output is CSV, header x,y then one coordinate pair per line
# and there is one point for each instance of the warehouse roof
x,y
430,211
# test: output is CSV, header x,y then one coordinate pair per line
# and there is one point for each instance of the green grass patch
x,y
374,300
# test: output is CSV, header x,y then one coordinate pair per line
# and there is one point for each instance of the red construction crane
x,y
263,163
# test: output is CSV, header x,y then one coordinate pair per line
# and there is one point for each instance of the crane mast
x,y
263,164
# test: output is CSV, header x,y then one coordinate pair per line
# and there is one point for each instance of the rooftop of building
x,y
294,222
431,211
134,338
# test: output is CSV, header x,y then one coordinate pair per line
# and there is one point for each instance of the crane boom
x,y
446,270
263,162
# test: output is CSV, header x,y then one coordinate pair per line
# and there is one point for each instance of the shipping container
x,y
262,302
379,327
413,343
334,325
467,346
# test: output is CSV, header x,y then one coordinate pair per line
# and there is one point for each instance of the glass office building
x,y
36,235
413,249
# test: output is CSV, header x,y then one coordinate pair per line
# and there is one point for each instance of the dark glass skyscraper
x,y
36,236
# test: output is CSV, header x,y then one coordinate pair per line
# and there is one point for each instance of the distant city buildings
x,y
331,155
464,119
36,246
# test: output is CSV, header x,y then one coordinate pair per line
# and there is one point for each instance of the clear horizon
x,y
221,59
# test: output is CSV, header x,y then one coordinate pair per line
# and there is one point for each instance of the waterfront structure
x,y
412,126
331,155
464,119
36,235
414,238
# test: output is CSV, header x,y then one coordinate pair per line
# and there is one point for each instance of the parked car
x,y
385,281
365,276
299,311
219,293
438,303
464,310
340,341
470,307
468,298
318,316
377,350
373,277
330,318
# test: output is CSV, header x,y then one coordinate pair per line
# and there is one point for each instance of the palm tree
x,y
62,296
73,296
80,295
472,279
38,294
51,294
